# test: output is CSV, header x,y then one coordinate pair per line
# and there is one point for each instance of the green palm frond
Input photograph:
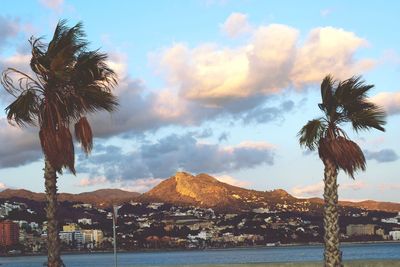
x,y
24,109
311,133
327,94
371,117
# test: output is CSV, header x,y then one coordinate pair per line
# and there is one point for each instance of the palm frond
x,y
69,82
311,133
344,153
16,82
366,118
84,135
24,110
58,147
327,92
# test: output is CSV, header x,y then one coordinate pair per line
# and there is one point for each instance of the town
x,y
84,227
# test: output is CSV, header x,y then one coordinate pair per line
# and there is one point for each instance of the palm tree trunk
x,y
332,253
53,239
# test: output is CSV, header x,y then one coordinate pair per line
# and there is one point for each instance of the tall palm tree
x,y
67,82
342,101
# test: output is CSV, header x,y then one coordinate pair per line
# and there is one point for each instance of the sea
x,y
365,252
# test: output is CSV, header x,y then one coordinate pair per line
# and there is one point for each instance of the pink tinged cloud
x,y
92,181
271,61
140,185
390,101
231,180
2,186
55,5
236,25
317,189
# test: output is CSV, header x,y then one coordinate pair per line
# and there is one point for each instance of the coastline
x,y
151,250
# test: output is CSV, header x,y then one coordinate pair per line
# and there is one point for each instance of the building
x,y
395,235
66,237
70,227
9,233
92,237
85,221
360,229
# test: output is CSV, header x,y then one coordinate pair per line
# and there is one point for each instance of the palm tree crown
x,y
68,81
342,101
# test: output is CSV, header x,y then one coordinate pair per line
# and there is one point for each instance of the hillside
x,y
102,197
204,191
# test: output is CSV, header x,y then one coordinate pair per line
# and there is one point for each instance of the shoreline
x,y
201,249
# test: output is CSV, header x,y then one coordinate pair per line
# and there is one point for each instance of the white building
x,y
395,235
85,221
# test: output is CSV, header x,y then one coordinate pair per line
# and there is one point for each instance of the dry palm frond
x,y
84,135
58,147
344,153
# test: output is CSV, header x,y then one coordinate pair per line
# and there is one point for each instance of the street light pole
x,y
115,210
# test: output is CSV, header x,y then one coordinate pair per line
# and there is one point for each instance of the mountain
x,y
102,197
205,191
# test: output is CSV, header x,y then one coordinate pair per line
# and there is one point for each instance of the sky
x,y
214,86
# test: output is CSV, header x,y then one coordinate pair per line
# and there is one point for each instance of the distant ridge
x,y
204,191
102,197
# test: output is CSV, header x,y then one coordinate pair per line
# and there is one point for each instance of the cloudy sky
x,y
214,86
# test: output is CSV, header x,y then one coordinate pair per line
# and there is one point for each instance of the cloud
x,y
317,189
390,101
384,187
231,180
9,28
384,155
140,185
266,114
19,146
92,181
208,82
3,186
329,50
272,61
55,5
353,185
172,153
308,190
235,25
326,12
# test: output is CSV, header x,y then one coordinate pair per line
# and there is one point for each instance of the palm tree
x,y
342,101
67,82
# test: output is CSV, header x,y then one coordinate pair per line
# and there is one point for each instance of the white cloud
x,y
231,180
329,50
235,25
390,101
270,62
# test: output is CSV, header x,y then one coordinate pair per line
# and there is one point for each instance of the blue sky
x,y
220,87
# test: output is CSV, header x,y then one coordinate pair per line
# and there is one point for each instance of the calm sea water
x,y
222,256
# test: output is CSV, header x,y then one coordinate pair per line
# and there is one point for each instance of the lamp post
x,y
115,215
